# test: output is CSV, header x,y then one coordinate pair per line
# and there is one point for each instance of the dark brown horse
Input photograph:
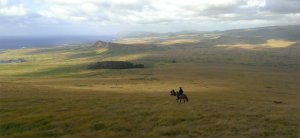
x,y
179,96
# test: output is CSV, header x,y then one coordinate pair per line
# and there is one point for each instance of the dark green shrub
x,y
114,65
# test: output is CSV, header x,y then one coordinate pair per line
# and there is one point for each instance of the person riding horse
x,y
180,96
180,91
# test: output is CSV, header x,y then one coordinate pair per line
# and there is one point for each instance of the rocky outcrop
x,y
101,44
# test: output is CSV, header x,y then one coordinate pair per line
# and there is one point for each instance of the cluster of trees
x,y
19,60
114,65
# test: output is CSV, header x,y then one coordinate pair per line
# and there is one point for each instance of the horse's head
x,y
172,93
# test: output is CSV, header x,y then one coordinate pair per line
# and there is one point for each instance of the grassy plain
x,y
232,93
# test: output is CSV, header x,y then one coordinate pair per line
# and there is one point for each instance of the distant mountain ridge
x,y
249,35
290,32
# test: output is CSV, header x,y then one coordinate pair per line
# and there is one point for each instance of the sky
x,y
112,17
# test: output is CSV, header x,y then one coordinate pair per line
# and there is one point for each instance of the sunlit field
x,y
232,93
223,101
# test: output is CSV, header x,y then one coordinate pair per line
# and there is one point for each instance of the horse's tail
x,y
187,99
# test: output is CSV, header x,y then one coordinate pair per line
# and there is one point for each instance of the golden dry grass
x,y
224,101
271,43
232,92
274,43
129,57
161,40
178,41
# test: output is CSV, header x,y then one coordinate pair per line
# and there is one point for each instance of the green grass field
x,y
232,93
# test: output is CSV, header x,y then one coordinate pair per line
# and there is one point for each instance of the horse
x,y
179,96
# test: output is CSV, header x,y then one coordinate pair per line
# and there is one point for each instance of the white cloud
x,y
149,14
133,11
3,2
18,10
255,3
62,13
89,8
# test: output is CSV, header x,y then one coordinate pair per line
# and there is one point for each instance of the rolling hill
x,y
240,83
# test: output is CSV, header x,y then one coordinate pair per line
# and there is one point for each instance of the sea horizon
x,y
16,42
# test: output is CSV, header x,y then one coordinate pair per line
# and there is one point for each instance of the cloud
x,y
148,11
255,3
62,13
149,14
3,2
283,6
15,10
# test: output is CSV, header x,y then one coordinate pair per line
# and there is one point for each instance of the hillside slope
x,y
237,87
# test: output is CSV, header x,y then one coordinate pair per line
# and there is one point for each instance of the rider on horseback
x,y
180,96
180,91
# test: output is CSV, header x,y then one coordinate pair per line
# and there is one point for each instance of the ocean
x,y
51,41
